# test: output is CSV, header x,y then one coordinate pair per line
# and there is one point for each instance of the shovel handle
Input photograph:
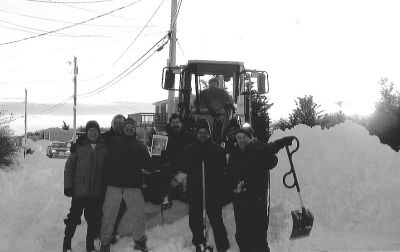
x,y
292,171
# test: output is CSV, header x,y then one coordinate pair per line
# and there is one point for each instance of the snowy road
x,y
353,192
32,216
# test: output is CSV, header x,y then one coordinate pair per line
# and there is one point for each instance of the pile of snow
x,y
347,178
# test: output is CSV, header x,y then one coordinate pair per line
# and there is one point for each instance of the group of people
x,y
104,169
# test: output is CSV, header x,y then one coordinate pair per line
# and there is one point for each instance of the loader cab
x,y
214,90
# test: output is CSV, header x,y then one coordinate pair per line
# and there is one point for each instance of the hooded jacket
x,y
84,168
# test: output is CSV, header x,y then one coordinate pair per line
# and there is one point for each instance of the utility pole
x,y
75,74
172,56
26,119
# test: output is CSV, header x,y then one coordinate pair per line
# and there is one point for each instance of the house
x,y
56,134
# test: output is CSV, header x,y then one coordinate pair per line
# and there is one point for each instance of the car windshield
x,y
59,145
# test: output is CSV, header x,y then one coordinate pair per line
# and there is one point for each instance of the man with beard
x,y
204,151
177,141
116,132
123,178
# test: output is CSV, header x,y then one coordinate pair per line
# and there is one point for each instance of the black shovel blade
x,y
302,223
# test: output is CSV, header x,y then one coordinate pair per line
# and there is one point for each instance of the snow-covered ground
x,y
348,179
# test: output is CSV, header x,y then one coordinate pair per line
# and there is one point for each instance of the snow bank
x,y
347,178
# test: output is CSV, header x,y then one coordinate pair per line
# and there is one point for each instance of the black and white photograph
x,y
199,126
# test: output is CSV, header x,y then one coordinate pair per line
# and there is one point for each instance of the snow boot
x,y
115,238
141,245
66,244
68,234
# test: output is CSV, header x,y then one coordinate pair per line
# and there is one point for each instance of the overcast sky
x,y
334,50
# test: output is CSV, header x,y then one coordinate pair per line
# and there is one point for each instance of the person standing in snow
x,y
177,141
213,156
229,142
250,162
123,178
83,182
116,130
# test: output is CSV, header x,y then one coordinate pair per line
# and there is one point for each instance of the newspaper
x,y
158,144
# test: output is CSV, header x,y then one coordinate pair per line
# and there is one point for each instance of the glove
x,y
240,187
287,141
69,192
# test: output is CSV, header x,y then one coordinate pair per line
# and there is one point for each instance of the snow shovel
x,y
206,247
302,219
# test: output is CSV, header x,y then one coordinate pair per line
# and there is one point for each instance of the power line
x,y
52,108
63,21
39,30
140,32
78,2
179,45
69,26
124,73
176,14
88,10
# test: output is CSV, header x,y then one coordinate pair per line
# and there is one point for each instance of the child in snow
x,y
83,175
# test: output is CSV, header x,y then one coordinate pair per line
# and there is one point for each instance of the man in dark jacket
x,y
250,163
213,156
83,182
116,130
123,177
177,141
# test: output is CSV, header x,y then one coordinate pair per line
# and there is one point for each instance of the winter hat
x,y
92,124
203,124
248,130
130,121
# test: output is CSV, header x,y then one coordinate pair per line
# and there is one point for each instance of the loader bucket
x,y
302,223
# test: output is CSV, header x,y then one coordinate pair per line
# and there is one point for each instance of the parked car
x,y
58,149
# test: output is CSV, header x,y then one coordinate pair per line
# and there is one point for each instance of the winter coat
x,y
84,168
127,157
175,146
214,159
252,166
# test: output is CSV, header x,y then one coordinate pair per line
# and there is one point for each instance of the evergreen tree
x,y
260,118
306,112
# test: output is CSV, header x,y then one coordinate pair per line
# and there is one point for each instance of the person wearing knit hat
x,y
205,152
250,163
83,181
92,124
203,131
124,180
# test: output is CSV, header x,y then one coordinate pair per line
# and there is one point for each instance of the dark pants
x,y
214,214
92,209
251,223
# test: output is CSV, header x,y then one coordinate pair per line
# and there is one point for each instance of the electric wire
x,y
180,47
41,31
71,2
69,26
176,15
63,21
109,83
92,11
140,32
52,108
